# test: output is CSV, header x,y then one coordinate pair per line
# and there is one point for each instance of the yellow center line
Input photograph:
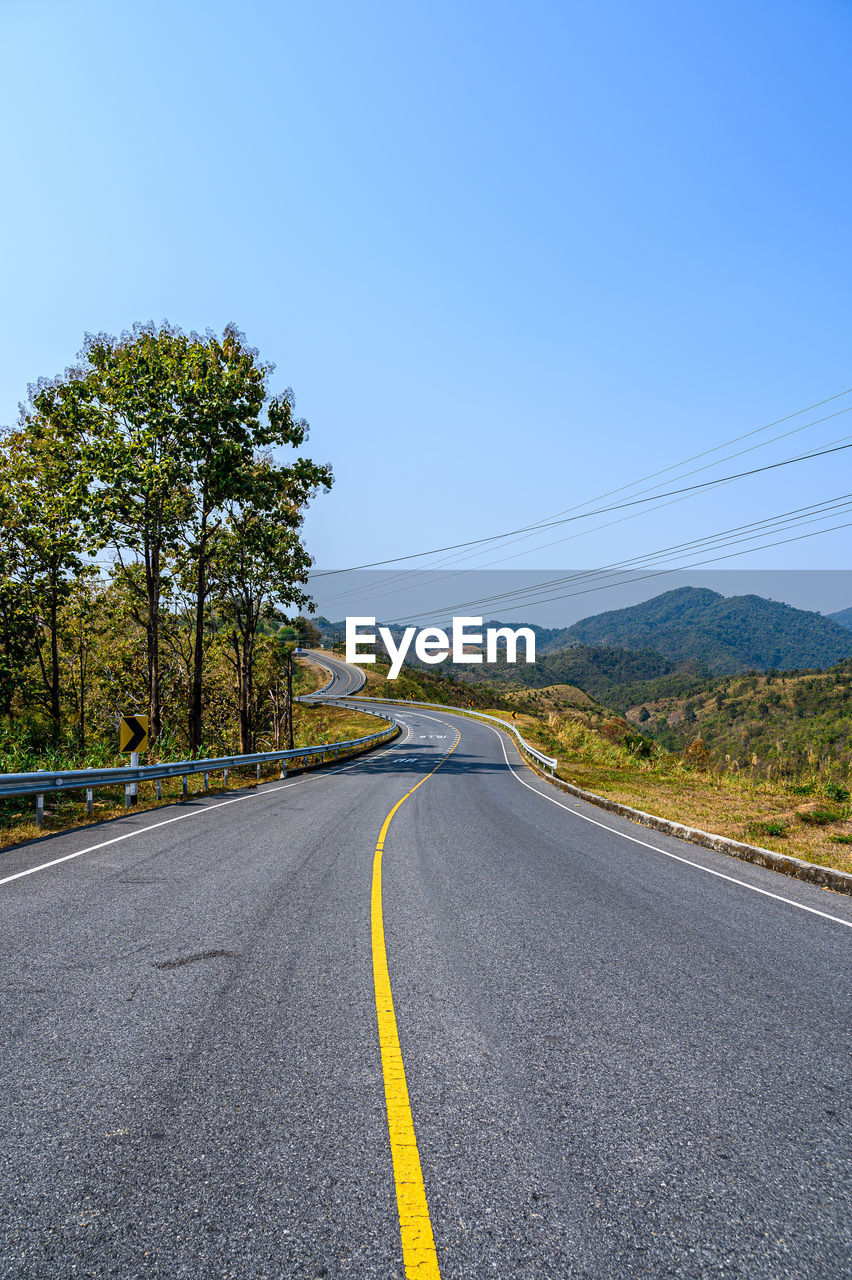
x,y
415,1226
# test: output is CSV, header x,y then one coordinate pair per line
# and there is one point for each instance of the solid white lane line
x,y
744,884
194,813
665,852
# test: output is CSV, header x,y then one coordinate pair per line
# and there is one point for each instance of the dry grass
x,y
727,803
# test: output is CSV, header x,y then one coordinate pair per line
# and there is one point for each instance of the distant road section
x,y
346,679
621,1056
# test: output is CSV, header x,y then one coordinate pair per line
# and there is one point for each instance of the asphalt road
x,y
619,1063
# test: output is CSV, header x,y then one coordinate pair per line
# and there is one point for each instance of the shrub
x,y
762,829
819,817
696,754
835,791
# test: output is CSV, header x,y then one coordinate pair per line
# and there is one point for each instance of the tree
x,y
124,397
80,629
19,636
175,426
229,425
308,635
259,562
43,497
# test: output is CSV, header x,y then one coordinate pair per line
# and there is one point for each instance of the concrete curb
x,y
825,877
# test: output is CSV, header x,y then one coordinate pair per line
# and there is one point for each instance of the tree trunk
x,y
55,711
153,639
290,701
243,697
82,697
195,726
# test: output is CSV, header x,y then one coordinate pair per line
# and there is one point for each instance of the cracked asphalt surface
x,y
619,1065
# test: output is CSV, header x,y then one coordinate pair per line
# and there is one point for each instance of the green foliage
x,y
819,817
720,634
308,635
597,671
794,725
156,451
760,830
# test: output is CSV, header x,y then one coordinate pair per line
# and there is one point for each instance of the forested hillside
x,y
791,721
721,634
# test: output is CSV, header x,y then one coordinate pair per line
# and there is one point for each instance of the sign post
x,y
133,737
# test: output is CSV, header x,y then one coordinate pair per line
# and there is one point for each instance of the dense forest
x,y
722,634
149,542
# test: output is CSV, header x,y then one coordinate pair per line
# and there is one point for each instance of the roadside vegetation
x,y
151,504
312,725
150,516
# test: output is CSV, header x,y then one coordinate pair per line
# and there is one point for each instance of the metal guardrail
x,y
48,782
549,762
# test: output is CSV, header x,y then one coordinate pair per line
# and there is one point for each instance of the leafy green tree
x,y
81,632
309,636
229,425
125,397
19,637
259,562
43,496
175,426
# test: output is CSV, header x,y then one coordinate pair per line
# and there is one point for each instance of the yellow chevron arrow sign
x,y
133,734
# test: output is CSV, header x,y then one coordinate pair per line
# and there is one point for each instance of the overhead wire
x,y
532,595
552,521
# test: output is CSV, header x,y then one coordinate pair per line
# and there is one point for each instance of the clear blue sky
x,y
508,256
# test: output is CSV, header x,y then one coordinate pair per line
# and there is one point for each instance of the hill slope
x,y
794,722
844,618
723,634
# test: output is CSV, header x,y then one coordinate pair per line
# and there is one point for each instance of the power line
x,y
620,506
404,575
737,535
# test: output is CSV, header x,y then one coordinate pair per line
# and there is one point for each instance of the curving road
x,y
344,679
622,1056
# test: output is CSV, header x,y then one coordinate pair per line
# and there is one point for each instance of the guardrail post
x,y
185,785
134,789
258,774
159,788
40,810
89,801
127,800
206,781
283,773
225,772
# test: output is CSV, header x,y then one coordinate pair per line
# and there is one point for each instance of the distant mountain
x,y
545,637
843,618
722,634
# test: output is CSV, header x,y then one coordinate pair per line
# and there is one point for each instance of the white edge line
x,y
194,813
778,897
665,852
